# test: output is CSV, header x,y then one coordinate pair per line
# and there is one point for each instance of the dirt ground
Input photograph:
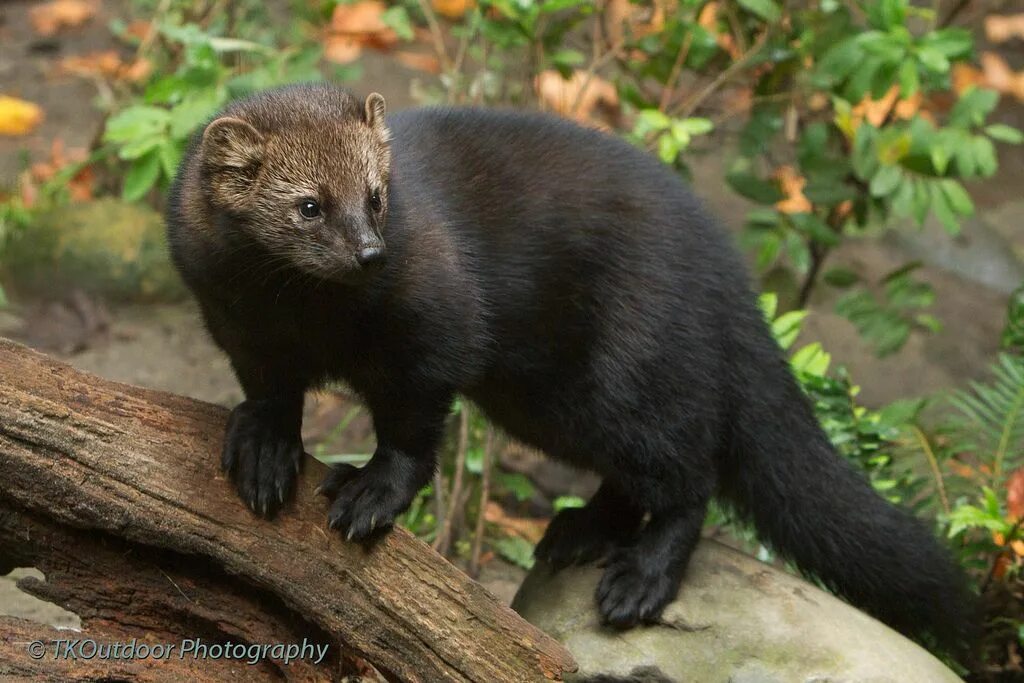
x,y
165,347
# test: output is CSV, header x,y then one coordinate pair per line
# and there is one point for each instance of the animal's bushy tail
x,y
814,508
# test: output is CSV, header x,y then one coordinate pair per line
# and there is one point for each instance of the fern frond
x,y
994,416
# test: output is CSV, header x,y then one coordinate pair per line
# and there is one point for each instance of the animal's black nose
x,y
368,255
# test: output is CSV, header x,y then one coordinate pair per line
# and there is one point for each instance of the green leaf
x,y
786,327
765,9
516,550
813,226
933,59
668,148
865,160
141,176
811,359
193,112
517,484
769,302
950,42
140,121
3,298
957,197
885,181
909,80
974,105
841,277
984,155
943,211
752,187
564,502
696,126
397,18
1004,133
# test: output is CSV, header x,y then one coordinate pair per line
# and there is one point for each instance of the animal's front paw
x,y
366,500
575,536
633,591
262,456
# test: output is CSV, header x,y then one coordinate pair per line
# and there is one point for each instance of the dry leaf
x,y
1015,494
530,529
342,49
51,17
999,76
80,185
421,61
965,76
139,29
792,185
578,97
354,27
18,117
1001,28
106,64
453,9
623,19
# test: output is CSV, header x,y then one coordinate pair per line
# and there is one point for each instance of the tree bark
x,y
114,492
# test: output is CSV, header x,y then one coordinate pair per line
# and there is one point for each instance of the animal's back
x,y
599,275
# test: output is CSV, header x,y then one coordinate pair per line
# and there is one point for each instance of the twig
x,y
443,541
460,55
933,463
677,69
597,61
436,33
818,255
485,492
691,105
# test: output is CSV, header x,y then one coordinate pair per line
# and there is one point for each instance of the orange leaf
x,y
999,76
360,19
106,63
577,97
792,185
51,17
530,529
342,49
18,117
453,9
354,27
1001,28
421,61
1015,494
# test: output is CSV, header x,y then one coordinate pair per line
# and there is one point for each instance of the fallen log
x,y
115,494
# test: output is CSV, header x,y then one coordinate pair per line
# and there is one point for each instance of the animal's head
x,y
303,171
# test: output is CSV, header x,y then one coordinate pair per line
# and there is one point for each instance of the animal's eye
x,y
375,202
309,209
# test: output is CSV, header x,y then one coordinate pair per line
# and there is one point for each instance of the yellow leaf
x,y
18,117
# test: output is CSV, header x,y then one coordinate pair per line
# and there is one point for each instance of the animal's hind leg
x,y
589,533
641,579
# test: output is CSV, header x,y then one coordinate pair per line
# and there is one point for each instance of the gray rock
x,y
736,620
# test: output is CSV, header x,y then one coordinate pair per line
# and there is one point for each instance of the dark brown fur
x,y
569,285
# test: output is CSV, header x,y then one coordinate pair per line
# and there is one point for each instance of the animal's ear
x,y
375,109
232,143
231,153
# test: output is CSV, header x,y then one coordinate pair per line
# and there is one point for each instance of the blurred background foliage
x,y
850,120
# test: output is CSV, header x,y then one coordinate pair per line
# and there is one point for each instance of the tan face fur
x,y
306,177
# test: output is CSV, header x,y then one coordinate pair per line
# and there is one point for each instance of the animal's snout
x,y
370,254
